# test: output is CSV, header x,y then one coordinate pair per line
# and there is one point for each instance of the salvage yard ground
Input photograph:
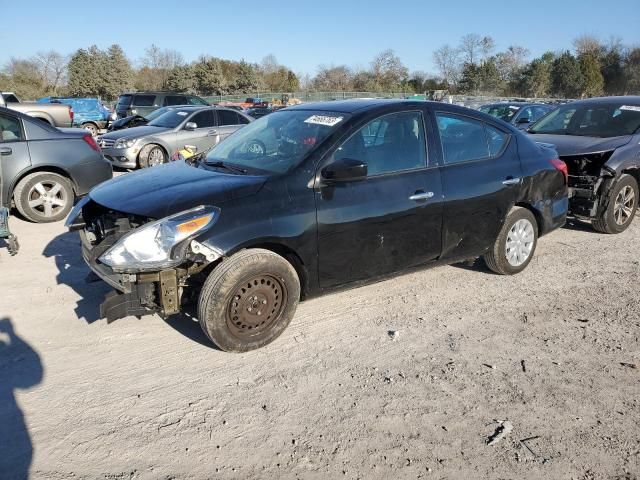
x,y
553,351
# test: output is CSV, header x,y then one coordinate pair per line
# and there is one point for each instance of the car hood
x,y
135,132
578,145
171,188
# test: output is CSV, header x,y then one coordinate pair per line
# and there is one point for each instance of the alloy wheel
x,y
47,198
624,205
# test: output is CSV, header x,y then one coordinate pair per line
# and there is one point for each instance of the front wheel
x,y
516,243
248,300
622,206
151,156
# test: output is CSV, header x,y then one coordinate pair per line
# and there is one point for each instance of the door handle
x,y
511,181
421,196
212,132
5,151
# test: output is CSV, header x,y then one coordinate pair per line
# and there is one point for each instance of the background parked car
x,y
520,114
56,115
45,168
88,113
599,140
143,103
156,142
259,112
137,120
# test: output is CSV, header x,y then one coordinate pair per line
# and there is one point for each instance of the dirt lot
x,y
551,351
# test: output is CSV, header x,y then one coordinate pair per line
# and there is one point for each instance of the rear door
x,y
481,178
144,104
388,221
14,153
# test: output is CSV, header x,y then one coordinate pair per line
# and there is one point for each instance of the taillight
x,y
560,165
71,114
91,142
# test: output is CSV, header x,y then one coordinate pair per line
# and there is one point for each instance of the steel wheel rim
x,y
47,198
624,204
256,306
520,240
156,157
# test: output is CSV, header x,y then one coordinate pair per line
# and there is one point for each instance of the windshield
x,y
593,120
156,113
277,142
503,112
169,119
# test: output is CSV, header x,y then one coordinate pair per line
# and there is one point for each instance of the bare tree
x,y
388,70
587,45
511,62
52,67
447,59
333,78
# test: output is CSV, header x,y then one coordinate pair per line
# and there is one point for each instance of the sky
x,y
304,34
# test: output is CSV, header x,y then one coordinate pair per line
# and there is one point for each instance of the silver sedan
x,y
196,127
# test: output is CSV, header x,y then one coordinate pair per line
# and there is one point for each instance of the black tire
x,y
248,300
44,197
497,258
152,155
92,128
609,220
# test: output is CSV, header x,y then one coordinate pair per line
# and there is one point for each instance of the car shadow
x,y
20,368
476,265
579,226
186,323
66,251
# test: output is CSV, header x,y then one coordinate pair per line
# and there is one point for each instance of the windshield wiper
x,y
226,166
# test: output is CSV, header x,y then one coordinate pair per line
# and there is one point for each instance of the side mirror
x,y
344,170
190,126
523,120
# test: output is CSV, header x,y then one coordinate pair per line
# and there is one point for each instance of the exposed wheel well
x,y
43,120
45,169
634,172
535,213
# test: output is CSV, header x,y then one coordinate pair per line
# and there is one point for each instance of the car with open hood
x,y
317,197
155,143
599,140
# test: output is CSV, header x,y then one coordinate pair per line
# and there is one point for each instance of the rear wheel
x,y
43,197
622,206
152,155
248,300
516,243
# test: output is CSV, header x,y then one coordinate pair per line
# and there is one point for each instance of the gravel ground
x,y
550,355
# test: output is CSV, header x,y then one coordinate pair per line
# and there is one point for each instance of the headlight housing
x,y
161,244
125,143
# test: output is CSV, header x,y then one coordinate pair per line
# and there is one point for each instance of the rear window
x,y
125,100
464,139
227,117
175,100
144,100
592,120
193,100
11,99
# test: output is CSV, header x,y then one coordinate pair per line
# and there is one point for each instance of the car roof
x,y
624,99
356,105
159,93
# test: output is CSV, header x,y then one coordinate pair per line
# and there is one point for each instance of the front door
x,y
205,135
481,177
389,220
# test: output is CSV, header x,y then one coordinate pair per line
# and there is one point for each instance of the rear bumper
x,y
552,214
88,175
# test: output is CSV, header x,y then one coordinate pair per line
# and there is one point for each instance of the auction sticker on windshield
x,y
182,114
323,120
633,108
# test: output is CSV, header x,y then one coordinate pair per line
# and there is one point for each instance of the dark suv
x,y
317,197
143,103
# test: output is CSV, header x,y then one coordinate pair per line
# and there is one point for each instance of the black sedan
x,y
519,114
43,169
599,140
354,191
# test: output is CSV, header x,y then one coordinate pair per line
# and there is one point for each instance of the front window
x,y
196,101
170,119
592,120
277,142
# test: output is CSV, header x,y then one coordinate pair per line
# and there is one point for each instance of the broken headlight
x,y
157,245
